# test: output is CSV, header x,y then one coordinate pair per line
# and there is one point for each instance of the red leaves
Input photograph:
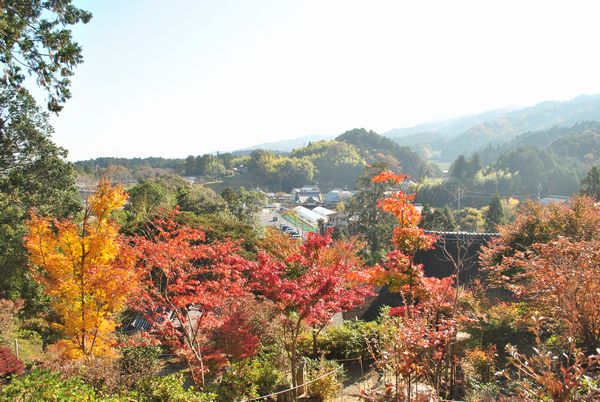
x,y
9,363
311,282
189,288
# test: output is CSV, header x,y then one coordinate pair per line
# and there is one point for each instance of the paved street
x,y
266,219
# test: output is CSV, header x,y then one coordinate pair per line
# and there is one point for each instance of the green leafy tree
x,y
470,220
149,198
494,214
437,219
33,174
200,200
35,39
367,220
244,204
337,163
590,185
295,172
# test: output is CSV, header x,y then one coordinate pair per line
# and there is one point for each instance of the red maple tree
x,y
309,286
192,293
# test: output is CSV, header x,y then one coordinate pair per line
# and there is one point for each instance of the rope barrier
x,y
293,388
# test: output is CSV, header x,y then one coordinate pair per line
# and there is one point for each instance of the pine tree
x,y
494,215
590,185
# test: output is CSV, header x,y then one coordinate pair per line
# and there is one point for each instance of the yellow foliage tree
x,y
77,263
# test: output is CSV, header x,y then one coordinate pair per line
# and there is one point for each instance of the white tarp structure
x,y
308,216
324,212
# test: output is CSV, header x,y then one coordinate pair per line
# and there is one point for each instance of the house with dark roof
x,y
308,196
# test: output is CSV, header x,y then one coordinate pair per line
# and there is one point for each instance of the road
x,y
266,219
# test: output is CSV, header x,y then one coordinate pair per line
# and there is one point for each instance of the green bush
x,y
168,388
249,378
346,341
328,387
41,385
499,325
138,362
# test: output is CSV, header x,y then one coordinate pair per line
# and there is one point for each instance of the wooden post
x,y
342,382
301,374
17,347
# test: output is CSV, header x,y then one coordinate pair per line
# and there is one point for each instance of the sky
x,y
178,78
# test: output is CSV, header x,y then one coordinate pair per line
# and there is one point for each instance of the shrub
x,y
544,375
479,364
9,364
346,341
486,392
328,387
169,388
100,373
138,362
248,378
499,325
41,385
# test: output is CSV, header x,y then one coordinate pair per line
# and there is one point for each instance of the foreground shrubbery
x,y
43,385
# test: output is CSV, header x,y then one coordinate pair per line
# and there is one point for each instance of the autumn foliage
x,y
415,343
191,291
398,270
9,364
550,257
309,286
578,220
77,263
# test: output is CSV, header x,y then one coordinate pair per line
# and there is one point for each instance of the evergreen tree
x,y
474,166
36,40
33,175
460,168
590,185
494,215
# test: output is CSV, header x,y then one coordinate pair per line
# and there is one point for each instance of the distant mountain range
x,y
445,140
288,145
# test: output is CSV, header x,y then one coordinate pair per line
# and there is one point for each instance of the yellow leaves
x,y
106,198
77,263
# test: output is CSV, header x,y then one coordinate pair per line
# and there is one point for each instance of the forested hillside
x,y
442,141
548,162
331,163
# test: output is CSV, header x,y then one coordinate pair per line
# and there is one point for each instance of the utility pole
x,y
459,193
539,191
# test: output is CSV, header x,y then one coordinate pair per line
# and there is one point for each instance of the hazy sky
x,y
174,78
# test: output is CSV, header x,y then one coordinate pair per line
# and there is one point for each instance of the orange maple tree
x,y
399,270
418,336
76,261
